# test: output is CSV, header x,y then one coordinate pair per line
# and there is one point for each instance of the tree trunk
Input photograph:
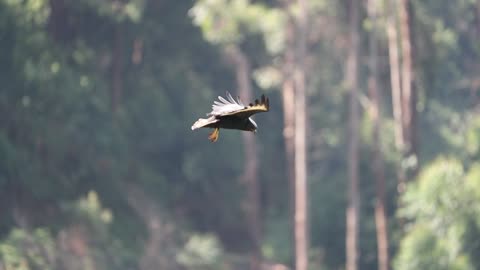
x,y
159,251
301,196
117,69
58,25
393,53
395,80
252,203
407,76
288,97
378,166
353,206
478,17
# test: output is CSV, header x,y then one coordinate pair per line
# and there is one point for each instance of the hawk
x,y
231,114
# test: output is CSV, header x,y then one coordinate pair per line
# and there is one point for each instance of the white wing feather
x,y
224,106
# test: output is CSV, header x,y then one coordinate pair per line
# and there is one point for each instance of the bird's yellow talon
x,y
214,135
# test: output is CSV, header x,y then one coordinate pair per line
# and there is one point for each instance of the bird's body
x,y
230,122
231,114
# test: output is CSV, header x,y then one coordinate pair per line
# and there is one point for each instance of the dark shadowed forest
x,y
369,157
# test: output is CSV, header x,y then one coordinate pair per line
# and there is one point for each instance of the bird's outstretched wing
x,y
231,107
204,122
224,106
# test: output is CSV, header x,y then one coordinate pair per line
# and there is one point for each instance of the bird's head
x,y
252,126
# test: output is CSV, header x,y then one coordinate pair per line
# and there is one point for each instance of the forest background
x,y
368,159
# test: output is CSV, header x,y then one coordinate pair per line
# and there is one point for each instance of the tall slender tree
x,y
351,80
294,109
378,166
117,68
396,87
477,8
408,93
288,98
301,195
242,68
394,62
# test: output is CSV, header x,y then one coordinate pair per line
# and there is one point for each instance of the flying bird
x,y
231,114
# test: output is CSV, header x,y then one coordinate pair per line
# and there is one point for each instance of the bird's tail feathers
x,y
203,122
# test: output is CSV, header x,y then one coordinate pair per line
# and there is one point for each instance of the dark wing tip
x,y
265,101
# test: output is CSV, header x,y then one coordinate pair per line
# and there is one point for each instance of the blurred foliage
x,y
443,207
233,21
201,252
86,243
23,250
